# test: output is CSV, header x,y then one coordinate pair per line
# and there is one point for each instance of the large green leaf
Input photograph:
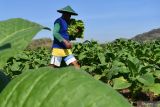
x,y
146,79
101,58
63,87
157,73
155,88
120,83
15,34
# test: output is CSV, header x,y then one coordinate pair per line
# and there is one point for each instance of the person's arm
x,y
58,36
56,32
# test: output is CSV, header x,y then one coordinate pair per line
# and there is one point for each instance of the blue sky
x,y
105,20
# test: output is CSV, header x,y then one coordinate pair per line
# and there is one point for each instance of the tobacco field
x,y
124,70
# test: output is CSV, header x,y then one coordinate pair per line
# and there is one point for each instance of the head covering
x,y
67,9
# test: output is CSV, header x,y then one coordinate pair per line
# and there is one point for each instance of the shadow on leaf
x,y
5,46
4,80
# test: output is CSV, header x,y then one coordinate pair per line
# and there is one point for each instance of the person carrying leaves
x,y
61,48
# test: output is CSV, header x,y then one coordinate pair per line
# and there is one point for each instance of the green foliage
x,y
4,80
154,88
28,59
63,87
122,64
15,34
76,29
45,87
120,83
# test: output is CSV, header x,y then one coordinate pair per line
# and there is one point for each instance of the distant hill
x,y
151,35
43,42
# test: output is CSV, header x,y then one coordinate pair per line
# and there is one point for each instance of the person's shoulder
x,y
58,20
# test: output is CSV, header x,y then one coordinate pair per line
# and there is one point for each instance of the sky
x,y
105,20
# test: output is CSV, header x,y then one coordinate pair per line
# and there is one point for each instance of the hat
x,y
67,9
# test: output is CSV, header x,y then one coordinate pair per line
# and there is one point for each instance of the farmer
x,y
61,48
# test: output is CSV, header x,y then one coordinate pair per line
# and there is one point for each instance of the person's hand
x,y
67,44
